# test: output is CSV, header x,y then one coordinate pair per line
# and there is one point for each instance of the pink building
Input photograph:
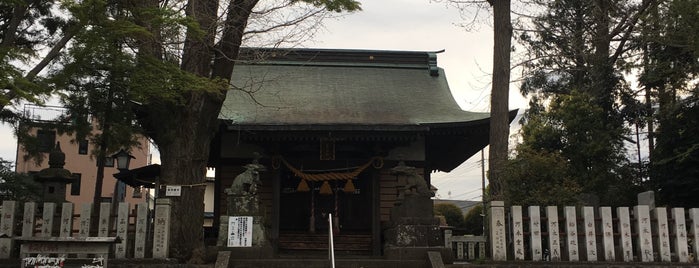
x,y
83,165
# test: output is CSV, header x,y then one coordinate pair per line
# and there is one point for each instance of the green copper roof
x,y
314,89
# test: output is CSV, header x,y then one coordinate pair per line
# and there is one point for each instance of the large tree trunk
x,y
184,152
183,132
499,102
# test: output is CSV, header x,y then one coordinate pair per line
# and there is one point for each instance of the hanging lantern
x,y
325,189
349,187
303,186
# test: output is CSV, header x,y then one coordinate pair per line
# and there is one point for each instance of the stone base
x,y
266,252
404,235
417,253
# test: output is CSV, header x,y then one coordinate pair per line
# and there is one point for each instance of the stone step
x,y
324,263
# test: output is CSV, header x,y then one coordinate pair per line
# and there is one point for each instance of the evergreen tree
x,y
578,52
669,41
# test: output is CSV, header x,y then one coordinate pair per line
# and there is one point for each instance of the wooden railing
x,y
640,234
136,231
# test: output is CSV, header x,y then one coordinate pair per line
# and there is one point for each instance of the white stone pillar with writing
x,y
122,227
590,234
694,216
497,231
624,227
47,219
66,220
517,232
535,232
7,227
141,231
643,226
85,216
572,234
679,228
607,233
554,233
663,231
103,227
161,236
28,219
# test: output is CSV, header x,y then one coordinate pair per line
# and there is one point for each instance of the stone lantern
x,y
55,178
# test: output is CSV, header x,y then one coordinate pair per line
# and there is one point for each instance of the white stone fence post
x,y
133,225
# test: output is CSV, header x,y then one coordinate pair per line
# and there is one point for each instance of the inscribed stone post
x,y
7,227
47,219
447,238
103,228
590,236
625,233
607,233
694,216
663,241
679,228
471,250
572,234
535,232
66,220
161,236
645,240
141,231
497,230
518,232
554,235
481,250
122,226
28,219
85,216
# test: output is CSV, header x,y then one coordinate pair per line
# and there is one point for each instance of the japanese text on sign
x,y
239,231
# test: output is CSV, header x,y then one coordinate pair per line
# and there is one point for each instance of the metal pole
x,y
330,237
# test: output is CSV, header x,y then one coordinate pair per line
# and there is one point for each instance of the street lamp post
x,y
122,159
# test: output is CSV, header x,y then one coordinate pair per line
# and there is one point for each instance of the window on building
x,y
82,147
46,139
75,185
108,162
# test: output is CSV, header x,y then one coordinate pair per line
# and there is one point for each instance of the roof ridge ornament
x,y
432,63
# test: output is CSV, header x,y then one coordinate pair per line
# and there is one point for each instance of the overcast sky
x,y
418,25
